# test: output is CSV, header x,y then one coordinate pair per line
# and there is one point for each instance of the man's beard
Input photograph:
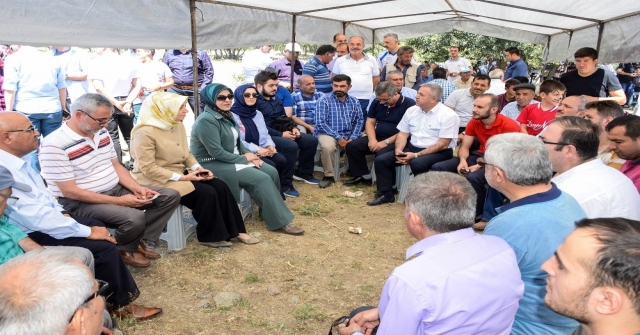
x,y
340,94
265,94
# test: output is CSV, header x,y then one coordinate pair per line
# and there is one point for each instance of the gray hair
x,y
90,102
405,50
496,74
386,87
435,90
41,290
391,35
583,103
523,158
395,72
444,201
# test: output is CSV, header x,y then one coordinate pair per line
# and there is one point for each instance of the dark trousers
x,y
494,200
364,105
386,165
476,178
357,152
302,150
279,162
131,224
189,95
215,210
108,263
123,121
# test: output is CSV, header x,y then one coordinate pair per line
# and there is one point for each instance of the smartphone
x,y
401,155
464,171
202,174
155,196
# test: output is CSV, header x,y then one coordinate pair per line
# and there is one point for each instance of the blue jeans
x,y
45,124
364,104
136,113
628,89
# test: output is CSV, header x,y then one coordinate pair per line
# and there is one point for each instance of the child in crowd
x,y
535,117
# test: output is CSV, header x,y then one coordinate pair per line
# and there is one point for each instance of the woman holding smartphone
x,y
161,154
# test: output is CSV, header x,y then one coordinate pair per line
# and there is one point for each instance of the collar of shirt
x,y
549,195
75,136
334,97
439,239
498,122
594,163
348,56
11,160
433,110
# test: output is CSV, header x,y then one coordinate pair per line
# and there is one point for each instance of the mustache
x,y
340,94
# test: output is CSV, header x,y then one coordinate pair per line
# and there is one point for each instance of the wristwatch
x,y
386,141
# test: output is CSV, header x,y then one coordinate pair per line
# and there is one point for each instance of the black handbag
x,y
282,123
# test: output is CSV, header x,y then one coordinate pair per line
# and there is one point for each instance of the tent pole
x,y
194,58
566,60
373,42
344,28
293,50
600,30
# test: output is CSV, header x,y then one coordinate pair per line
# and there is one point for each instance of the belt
x,y
184,87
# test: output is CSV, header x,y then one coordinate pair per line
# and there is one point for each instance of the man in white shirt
x,y
255,61
497,84
433,128
75,64
455,64
153,76
461,101
362,70
389,55
116,78
602,191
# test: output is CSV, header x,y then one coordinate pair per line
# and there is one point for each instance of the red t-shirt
x,y
501,125
535,118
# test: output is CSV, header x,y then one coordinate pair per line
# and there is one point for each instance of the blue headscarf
x,y
246,114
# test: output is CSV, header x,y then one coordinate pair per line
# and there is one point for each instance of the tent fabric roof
x,y
562,26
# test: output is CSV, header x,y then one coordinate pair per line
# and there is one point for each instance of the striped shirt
x,y
338,119
283,69
320,73
65,155
447,88
305,107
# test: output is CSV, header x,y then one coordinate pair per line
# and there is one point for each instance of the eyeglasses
x,y
102,287
100,121
247,95
224,97
483,164
8,197
28,130
341,320
554,143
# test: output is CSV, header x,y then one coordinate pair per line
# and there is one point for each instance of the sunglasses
x,y
102,288
28,130
224,97
250,95
100,121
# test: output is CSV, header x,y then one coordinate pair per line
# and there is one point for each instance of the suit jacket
x,y
158,154
212,145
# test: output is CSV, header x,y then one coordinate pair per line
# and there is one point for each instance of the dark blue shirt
x,y
517,68
271,109
387,118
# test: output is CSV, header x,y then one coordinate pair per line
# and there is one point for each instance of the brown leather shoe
x,y
148,253
137,312
291,230
135,259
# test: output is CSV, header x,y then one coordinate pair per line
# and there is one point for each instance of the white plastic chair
x,y
180,226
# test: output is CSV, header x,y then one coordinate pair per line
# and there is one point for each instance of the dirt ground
x,y
289,285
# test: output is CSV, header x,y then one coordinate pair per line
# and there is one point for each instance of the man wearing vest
x,y
410,71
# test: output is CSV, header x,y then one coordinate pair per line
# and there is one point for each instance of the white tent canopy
x,y
563,27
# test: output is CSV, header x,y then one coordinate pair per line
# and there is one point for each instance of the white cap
x,y
289,46
464,69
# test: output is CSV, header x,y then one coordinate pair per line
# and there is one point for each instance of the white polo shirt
x,y
601,191
455,66
115,73
65,155
361,73
462,103
426,128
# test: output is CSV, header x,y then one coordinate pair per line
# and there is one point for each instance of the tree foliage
x,y
473,47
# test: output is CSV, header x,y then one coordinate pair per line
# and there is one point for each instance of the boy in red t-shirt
x,y
535,117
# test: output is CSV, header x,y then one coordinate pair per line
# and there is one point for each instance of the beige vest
x,y
410,78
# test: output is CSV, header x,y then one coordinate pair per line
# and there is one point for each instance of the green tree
x,y
473,47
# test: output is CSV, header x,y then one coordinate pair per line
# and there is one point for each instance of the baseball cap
x,y
525,86
6,181
288,47
464,69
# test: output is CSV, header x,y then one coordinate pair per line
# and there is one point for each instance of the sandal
x,y
350,194
250,240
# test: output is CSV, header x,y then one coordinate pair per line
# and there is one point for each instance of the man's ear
x,y
608,300
76,325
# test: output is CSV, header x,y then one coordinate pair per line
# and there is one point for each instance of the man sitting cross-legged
x,y
381,129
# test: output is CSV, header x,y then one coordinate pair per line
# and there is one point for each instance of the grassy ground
x,y
289,285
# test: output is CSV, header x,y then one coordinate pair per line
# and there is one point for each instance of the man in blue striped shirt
x,y
338,120
317,68
304,104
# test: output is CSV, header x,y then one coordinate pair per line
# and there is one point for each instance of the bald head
x,y
307,84
17,137
8,120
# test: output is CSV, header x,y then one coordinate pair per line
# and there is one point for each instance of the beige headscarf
x,y
160,110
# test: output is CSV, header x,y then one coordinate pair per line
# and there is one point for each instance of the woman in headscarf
x,y
216,144
159,147
253,130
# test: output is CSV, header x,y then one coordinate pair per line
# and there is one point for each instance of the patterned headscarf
x,y
208,96
160,110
